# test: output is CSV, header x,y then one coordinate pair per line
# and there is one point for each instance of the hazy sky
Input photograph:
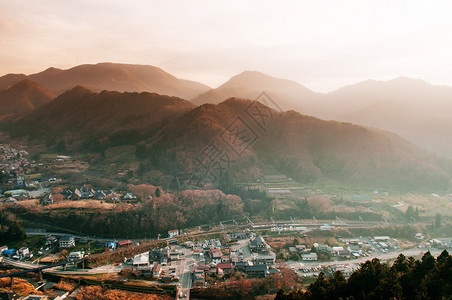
x,y
321,44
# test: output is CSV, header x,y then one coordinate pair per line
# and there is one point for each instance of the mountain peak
x,y
80,89
250,84
26,83
22,98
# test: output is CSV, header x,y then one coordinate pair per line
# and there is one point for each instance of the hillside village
x,y
24,179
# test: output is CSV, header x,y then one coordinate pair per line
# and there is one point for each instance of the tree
x,y
438,220
157,192
410,212
295,256
61,147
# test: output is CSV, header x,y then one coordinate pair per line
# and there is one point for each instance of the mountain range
x,y
414,109
177,136
112,77
106,104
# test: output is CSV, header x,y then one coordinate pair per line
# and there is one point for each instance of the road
x,y
384,256
185,268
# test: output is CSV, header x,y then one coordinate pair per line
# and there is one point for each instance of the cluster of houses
x,y
353,248
14,164
154,264
437,243
217,260
22,253
87,192
20,182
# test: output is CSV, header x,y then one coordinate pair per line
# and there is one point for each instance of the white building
x,y
173,233
309,257
67,241
24,251
141,260
75,255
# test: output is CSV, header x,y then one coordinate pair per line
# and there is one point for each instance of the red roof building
x,y
125,243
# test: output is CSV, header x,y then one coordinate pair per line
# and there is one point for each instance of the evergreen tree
x,y
438,220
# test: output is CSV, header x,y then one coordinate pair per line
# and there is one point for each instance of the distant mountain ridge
x,y
412,108
113,77
172,134
250,84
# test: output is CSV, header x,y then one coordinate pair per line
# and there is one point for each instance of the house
x,y
418,236
67,241
215,254
226,267
50,240
100,195
173,233
129,196
86,193
157,270
225,259
260,271
236,258
125,243
75,256
345,270
10,200
174,254
381,238
259,245
54,197
293,249
300,248
9,252
197,252
355,249
323,248
240,235
264,259
76,195
343,254
337,249
309,256
111,246
24,252
141,260
241,265
198,276
273,271
215,271
22,197
67,194
16,193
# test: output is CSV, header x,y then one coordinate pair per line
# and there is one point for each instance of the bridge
x,y
39,270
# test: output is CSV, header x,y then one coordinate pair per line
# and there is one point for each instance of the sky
x,y
321,44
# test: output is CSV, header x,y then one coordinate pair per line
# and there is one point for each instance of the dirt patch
x,y
82,204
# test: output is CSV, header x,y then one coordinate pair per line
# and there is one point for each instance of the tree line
x,y
407,278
